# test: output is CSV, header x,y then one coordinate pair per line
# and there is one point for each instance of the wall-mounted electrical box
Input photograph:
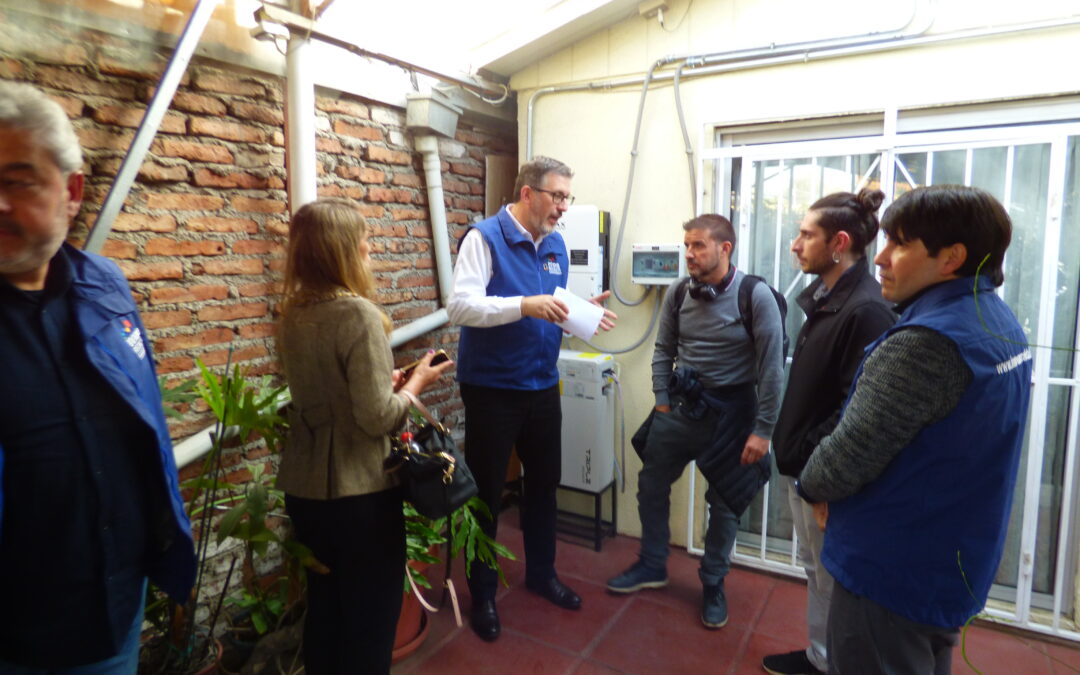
x,y
657,264
585,230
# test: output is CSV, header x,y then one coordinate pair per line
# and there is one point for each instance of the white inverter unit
x,y
588,420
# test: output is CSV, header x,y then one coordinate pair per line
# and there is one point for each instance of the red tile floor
x,y
658,631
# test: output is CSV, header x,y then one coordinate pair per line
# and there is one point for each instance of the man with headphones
x,y
717,384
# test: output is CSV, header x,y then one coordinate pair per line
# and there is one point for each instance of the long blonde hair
x,y
323,259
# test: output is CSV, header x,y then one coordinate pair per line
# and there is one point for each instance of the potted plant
x,y
244,408
461,532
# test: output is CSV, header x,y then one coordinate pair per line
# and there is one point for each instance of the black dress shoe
x,y
485,620
557,592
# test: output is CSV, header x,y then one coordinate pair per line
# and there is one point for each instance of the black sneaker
x,y
714,607
639,576
792,663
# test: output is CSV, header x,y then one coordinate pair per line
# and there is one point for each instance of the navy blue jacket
x,y
117,347
925,538
523,354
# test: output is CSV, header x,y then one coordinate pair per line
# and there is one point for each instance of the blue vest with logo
x,y
523,354
925,538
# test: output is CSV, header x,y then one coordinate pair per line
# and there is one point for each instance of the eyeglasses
x,y
557,197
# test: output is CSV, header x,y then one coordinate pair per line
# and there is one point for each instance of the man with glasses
x,y
89,504
508,268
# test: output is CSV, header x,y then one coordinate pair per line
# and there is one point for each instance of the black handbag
x,y
433,472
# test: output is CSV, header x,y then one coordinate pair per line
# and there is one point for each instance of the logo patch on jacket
x,y
133,337
552,265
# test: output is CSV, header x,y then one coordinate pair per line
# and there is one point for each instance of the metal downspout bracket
x,y
150,124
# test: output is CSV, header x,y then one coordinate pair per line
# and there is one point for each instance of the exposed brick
x,y
174,364
228,85
389,265
174,247
237,179
257,330
230,312
458,218
476,189
380,194
126,116
212,336
424,264
115,248
361,173
92,138
151,271
150,171
455,186
407,246
279,228
330,190
135,62
198,103
219,357
276,265
259,113
375,153
408,197
463,169
345,107
420,230
358,131
229,131
179,317
185,294
408,214
217,224
388,231
252,205
469,137
414,281
259,290
196,152
257,247
331,145
72,106
183,201
407,180
408,313
391,297
72,81
245,266
140,222
425,294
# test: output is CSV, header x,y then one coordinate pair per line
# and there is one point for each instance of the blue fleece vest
x,y
523,354
925,538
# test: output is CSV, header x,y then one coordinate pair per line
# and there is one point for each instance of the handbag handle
x,y
416,403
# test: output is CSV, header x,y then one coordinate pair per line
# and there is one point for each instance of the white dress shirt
x,y
470,305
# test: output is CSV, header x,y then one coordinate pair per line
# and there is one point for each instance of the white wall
x,y
593,131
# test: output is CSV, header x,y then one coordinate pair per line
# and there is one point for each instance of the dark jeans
x,y
352,611
497,420
674,441
867,639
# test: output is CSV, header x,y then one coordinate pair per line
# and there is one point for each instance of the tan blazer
x,y
338,364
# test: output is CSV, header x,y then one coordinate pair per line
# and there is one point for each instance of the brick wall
x,y
202,235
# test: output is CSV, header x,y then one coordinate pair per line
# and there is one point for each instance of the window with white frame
x,y
766,179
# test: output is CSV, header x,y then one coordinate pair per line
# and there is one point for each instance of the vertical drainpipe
x,y
428,146
299,123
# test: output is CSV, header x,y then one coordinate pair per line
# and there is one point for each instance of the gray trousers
x,y
675,441
819,583
867,639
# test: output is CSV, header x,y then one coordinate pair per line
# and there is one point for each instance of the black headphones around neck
x,y
706,292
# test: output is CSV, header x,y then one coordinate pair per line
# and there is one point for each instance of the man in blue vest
x,y
507,269
915,485
89,499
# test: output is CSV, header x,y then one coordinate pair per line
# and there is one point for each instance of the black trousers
x,y
352,611
496,421
867,639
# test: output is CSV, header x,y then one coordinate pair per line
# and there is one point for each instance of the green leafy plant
x,y
463,532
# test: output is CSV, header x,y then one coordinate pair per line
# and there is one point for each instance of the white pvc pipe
x,y
299,124
428,146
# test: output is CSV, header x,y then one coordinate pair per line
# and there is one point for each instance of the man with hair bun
x,y
89,500
915,484
844,313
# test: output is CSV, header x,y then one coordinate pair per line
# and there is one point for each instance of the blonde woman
x,y
333,341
